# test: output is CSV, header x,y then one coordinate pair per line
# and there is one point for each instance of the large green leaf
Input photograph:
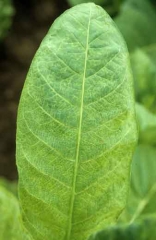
x,y
76,128
10,220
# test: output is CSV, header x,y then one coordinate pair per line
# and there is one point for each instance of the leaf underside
x,y
76,128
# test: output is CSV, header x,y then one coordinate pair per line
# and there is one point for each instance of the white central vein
x,y
79,137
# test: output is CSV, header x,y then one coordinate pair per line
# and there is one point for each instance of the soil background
x,y
31,21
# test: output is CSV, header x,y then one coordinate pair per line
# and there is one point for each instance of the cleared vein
x,y
40,139
54,119
64,99
100,179
54,224
31,224
47,206
77,21
109,94
92,130
62,61
108,150
42,173
79,135
103,67
97,37
101,210
77,40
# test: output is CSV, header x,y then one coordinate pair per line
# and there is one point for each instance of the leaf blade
x,y
80,103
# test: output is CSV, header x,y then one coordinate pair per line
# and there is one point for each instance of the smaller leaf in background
x,y
10,220
9,185
142,197
137,23
147,125
144,73
76,2
111,6
6,13
140,230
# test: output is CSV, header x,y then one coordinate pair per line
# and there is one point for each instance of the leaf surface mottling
x,y
76,128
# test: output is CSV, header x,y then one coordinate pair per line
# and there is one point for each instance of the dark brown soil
x,y
30,24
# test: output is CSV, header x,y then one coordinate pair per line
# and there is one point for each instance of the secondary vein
x,y
79,135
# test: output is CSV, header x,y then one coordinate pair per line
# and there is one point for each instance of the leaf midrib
x,y
79,135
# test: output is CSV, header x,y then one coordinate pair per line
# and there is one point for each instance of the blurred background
x,y
23,24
